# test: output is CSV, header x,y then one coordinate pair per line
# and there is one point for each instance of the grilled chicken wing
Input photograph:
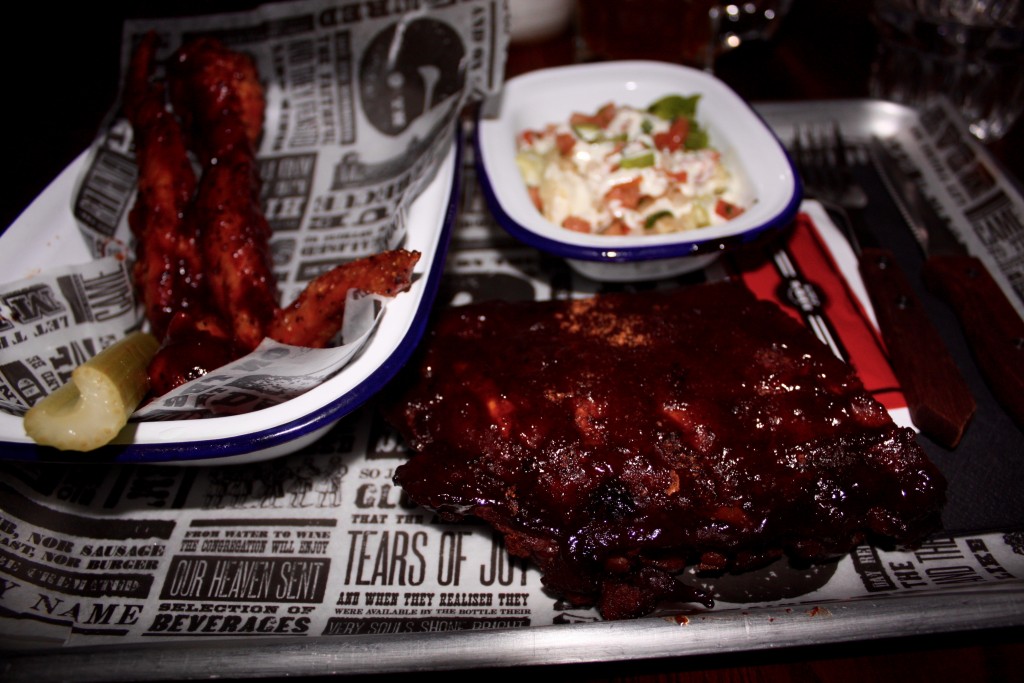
x,y
167,270
235,241
219,95
316,314
203,246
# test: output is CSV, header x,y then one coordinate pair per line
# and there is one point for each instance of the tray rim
x,y
992,606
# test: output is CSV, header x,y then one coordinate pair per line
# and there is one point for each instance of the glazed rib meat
x,y
618,439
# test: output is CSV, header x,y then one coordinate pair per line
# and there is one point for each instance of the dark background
x,y
62,72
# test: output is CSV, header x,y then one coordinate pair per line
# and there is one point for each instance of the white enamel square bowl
x,y
749,150
46,236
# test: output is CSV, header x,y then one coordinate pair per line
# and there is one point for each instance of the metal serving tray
x,y
984,518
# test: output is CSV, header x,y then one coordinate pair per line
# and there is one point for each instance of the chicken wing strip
x,y
196,343
167,270
232,301
218,93
235,243
317,313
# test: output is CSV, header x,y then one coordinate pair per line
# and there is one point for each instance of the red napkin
x,y
804,278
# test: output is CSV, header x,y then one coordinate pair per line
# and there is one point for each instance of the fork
x,y
938,399
823,164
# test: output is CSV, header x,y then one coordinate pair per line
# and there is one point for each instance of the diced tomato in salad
x,y
627,194
565,143
675,137
604,116
727,210
576,224
629,171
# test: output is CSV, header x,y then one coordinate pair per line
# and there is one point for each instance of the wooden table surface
x,y
62,79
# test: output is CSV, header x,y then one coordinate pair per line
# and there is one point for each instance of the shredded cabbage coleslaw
x,y
629,171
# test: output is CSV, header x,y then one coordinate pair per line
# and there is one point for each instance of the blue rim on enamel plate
x,y
533,100
46,236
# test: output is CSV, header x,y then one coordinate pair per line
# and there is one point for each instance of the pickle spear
x,y
95,405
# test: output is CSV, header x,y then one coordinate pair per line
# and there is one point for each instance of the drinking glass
x,y
969,51
690,32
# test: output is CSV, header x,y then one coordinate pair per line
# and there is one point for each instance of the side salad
x,y
629,171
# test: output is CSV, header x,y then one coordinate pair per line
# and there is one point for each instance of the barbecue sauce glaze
x,y
616,440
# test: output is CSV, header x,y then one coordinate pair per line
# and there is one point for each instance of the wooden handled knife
x,y
990,323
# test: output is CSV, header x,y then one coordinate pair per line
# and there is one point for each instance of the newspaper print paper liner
x,y
46,236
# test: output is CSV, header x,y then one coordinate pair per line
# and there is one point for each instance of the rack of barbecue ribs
x,y
619,439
